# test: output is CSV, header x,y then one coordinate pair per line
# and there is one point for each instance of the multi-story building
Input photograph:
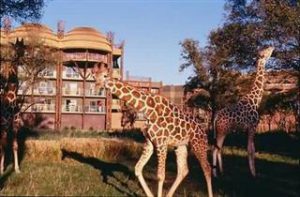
x,y
66,97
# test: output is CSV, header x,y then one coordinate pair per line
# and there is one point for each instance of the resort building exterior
x,y
66,97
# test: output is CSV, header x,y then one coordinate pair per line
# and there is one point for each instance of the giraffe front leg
x,y
161,152
182,168
251,154
16,126
147,152
3,143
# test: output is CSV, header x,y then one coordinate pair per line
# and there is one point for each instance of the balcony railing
x,y
80,56
93,92
71,75
72,92
71,109
116,73
116,104
94,109
48,74
44,91
39,108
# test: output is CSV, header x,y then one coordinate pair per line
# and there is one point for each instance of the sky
x,y
151,29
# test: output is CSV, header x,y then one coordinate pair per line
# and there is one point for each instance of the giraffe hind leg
x,y
251,154
200,151
161,156
217,155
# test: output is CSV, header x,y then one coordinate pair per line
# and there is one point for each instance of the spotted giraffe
x,y
10,110
167,126
242,115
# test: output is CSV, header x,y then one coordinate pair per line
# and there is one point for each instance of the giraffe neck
x,y
256,92
133,97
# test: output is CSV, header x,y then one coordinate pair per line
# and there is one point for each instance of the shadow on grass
x,y
107,171
23,134
273,178
278,142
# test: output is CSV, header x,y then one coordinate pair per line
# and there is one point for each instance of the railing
x,y
39,107
116,73
44,91
85,56
71,75
72,92
93,92
94,109
71,109
48,74
116,104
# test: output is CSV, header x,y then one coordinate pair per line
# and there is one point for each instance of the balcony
x,y
95,109
116,74
71,92
44,91
71,109
116,104
83,56
51,74
71,75
94,93
44,108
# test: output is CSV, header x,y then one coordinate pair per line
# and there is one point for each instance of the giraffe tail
x,y
214,127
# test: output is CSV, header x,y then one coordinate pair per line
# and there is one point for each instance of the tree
x,y
232,48
23,10
250,24
32,65
213,85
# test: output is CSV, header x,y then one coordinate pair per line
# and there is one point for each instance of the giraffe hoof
x,y
17,171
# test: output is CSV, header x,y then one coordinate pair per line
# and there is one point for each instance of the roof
x,y
77,38
85,38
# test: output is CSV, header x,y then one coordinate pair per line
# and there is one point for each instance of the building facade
x,y
66,96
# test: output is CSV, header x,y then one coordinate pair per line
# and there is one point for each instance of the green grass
x,y
98,166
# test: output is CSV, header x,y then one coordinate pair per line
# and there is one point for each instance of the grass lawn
x,y
73,167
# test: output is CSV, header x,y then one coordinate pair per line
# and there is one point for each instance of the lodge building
x,y
66,97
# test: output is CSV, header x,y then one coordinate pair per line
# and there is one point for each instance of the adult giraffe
x,y
242,115
10,119
168,126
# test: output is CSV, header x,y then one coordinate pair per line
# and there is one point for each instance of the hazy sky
x,y
152,29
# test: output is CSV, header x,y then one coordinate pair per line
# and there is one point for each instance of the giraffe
x,y
167,126
10,109
242,115
129,116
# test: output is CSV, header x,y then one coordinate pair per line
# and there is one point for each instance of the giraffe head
x,y
100,73
266,52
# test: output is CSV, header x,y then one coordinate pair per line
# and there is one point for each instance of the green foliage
x,y
22,10
214,85
251,24
281,101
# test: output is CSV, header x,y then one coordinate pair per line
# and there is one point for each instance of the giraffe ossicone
x,y
167,126
243,115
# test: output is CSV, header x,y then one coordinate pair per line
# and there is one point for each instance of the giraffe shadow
x,y
273,179
107,171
